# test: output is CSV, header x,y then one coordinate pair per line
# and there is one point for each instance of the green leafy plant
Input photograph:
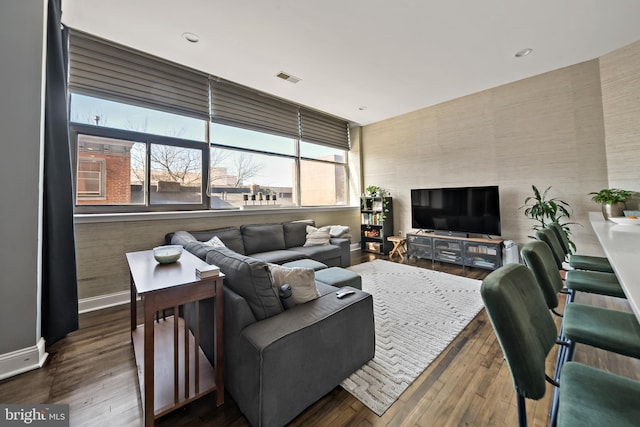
x,y
608,196
375,191
546,210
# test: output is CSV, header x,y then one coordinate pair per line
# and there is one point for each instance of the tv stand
x,y
465,251
450,233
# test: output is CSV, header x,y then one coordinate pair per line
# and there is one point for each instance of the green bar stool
x,y
609,330
580,262
606,329
595,282
526,333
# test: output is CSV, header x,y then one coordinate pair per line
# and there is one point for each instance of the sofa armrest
x,y
345,250
237,313
237,316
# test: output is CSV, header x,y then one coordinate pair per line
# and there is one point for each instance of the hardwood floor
x,y
93,370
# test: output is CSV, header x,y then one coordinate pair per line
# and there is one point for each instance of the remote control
x,y
342,294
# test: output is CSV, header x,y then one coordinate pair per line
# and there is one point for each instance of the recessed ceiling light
x,y
190,37
523,52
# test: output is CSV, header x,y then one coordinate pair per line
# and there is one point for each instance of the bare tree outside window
x,y
176,164
245,168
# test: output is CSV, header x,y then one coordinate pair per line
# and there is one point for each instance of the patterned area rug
x,y
418,312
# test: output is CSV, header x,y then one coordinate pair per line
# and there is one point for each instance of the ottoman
x,y
305,263
339,277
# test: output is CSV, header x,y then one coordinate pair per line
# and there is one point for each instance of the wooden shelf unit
x,y
465,251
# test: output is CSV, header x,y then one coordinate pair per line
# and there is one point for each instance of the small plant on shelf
x,y
375,191
546,210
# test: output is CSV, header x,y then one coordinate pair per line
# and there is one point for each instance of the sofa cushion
x,y
262,238
295,233
230,236
339,277
301,280
279,257
317,236
326,254
199,249
249,278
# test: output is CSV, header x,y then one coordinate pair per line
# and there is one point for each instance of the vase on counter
x,y
613,209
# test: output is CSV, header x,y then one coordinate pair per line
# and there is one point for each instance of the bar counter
x,y
621,244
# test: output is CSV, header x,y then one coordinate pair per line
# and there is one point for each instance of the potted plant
x,y
612,201
373,191
547,210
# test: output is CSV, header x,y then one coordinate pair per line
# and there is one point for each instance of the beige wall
x,y
545,130
620,72
101,246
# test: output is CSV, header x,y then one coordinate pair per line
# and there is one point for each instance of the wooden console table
x,y
172,368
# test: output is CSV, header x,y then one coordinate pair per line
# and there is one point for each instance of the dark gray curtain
x,y
59,279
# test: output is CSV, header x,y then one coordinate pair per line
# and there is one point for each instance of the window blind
x,y
320,128
106,70
235,105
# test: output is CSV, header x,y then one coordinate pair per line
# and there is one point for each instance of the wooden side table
x,y
172,368
398,246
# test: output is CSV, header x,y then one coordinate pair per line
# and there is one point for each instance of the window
x,y
241,179
149,134
91,179
176,175
105,173
235,137
116,171
331,189
100,112
321,152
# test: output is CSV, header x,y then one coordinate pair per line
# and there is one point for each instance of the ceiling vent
x,y
288,77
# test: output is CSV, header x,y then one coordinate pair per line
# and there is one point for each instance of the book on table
x,y
209,270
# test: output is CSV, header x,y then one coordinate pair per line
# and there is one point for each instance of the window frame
x,y
76,129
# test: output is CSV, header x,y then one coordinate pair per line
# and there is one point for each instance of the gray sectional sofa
x,y
275,243
278,362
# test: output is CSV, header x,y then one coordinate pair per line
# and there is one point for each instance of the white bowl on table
x,y
623,220
167,254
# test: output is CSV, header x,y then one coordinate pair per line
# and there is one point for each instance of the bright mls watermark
x,y
55,415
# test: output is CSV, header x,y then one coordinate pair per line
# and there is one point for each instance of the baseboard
x,y
354,247
22,360
103,301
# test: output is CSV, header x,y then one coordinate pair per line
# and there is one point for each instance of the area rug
x,y
418,312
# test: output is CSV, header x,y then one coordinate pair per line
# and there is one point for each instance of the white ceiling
x,y
391,57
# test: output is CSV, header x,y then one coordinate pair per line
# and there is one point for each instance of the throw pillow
x,y
215,242
317,236
339,230
301,280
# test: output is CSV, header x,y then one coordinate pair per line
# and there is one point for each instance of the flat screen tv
x,y
457,210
